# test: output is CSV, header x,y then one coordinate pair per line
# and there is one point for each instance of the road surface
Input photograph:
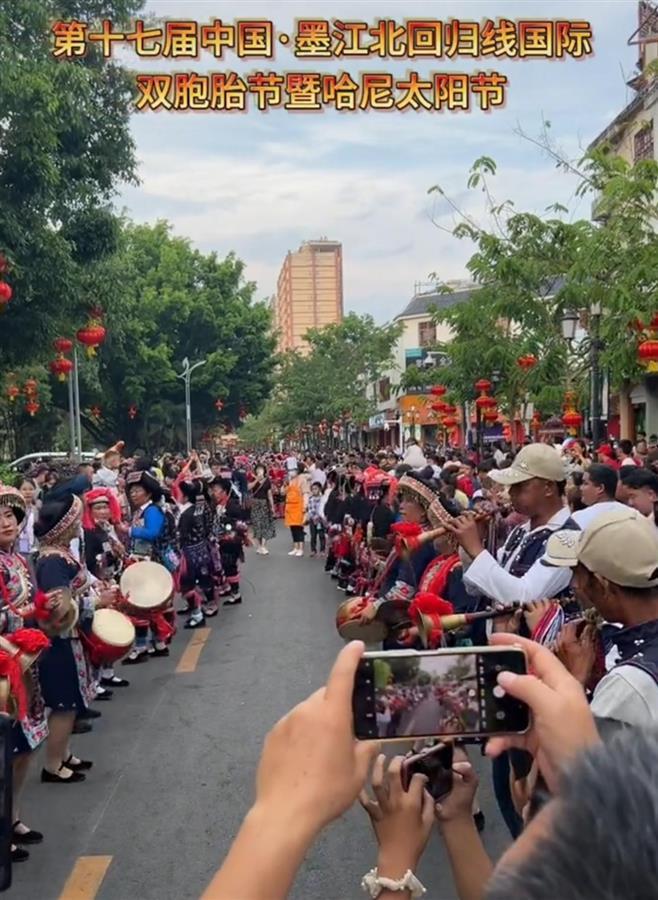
x,y
175,755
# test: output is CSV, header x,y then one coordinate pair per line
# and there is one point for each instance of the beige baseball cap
x,y
534,461
621,546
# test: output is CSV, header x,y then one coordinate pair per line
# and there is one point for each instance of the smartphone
x,y
434,762
409,694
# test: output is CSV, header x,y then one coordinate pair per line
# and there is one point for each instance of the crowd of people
x,y
67,538
554,547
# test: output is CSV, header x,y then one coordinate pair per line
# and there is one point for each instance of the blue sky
x,y
259,184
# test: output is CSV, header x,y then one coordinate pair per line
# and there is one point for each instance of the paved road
x,y
174,757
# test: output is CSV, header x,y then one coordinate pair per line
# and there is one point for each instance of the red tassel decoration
x,y
29,640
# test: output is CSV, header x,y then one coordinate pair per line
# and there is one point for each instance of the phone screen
x,y
438,693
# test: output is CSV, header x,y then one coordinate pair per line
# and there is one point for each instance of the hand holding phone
x,y
402,819
435,763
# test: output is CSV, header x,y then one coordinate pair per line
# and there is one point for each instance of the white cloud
x,y
260,184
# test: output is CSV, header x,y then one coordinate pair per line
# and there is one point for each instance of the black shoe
x,y
115,681
81,727
83,766
19,855
105,695
141,657
89,714
232,601
28,837
156,652
48,777
478,818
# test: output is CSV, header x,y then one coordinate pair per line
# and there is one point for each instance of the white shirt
x,y
485,575
318,476
628,462
627,694
292,464
585,517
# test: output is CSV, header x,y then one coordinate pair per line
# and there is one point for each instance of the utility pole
x,y
185,375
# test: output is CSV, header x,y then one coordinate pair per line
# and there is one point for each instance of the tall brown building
x,y
309,292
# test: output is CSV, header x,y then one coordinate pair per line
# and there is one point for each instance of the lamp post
x,y
595,350
185,375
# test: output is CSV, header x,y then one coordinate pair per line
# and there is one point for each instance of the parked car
x,y
30,459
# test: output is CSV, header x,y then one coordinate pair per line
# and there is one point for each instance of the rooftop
x,y
427,302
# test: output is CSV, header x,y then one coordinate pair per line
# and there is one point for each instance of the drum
x,y
350,629
147,589
111,636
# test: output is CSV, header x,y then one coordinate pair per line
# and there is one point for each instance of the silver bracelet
x,y
373,883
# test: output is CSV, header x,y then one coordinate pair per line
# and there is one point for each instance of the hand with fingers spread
x,y
562,725
402,820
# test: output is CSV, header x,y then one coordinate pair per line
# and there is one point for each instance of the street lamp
x,y
569,322
185,375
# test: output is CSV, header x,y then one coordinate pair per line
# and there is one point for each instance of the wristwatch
x,y
373,884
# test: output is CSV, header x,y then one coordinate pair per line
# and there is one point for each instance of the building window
x,y
643,143
384,389
426,334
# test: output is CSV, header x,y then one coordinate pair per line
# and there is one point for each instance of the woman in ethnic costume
x,y
66,678
16,607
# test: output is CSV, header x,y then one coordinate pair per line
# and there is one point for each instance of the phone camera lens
x,y
500,714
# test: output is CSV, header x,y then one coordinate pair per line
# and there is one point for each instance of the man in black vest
x,y
536,481
615,569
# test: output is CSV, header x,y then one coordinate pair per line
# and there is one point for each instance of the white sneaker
x,y
293,553
265,551
299,552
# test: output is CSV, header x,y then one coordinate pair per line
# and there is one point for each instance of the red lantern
x,y
32,407
438,390
572,419
527,362
491,402
482,385
449,422
63,345
450,409
647,355
5,293
482,402
92,336
30,387
219,405
61,367
491,416
13,391
132,411
439,407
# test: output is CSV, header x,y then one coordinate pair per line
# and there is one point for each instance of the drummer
x,y
65,674
146,530
15,607
104,552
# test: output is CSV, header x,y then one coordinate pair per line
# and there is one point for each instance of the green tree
x,y
166,301
333,378
66,144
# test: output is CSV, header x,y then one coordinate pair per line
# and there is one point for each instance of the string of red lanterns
x,y
6,292
92,335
